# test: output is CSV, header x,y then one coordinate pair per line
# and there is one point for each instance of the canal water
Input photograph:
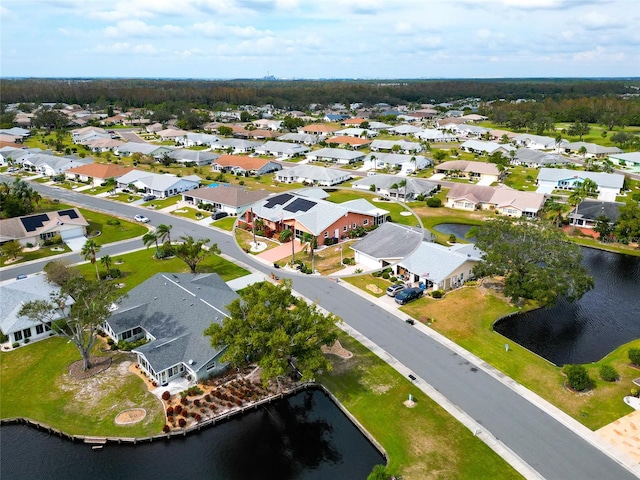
x,y
585,331
304,437
458,229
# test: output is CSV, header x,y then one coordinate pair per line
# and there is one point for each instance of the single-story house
x,y
323,219
631,159
304,138
400,145
335,155
156,151
536,158
587,213
334,117
400,162
437,267
383,185
96,173
160,185
36,228
486,148
79,133
435,135
154,127
386,245
484,172
379,126
173,134
191,139
593,150
281,149
14,295
240,165
172,312
609,184
504,200
199,157
534,142
404,129
318,129
349,142
101,145
322,176
469,131
225,198
236,145
356,132
16,132
268,124
51,165
256,134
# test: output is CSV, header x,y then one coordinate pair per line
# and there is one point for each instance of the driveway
x,y
75,243
280,252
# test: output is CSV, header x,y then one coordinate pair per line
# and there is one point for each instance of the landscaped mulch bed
x,y
98,364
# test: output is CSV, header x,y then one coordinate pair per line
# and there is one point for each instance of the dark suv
x,y
218,215
408,294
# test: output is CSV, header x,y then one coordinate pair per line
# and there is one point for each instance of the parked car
x,y
148,198
393,290
141,219
408,294
218,215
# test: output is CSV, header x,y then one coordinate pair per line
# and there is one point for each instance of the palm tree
x,y
89,251
106,261
394,187
403,184
150,238
414,160
163,233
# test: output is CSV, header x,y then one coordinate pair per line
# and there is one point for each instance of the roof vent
x,y
155,298
190,361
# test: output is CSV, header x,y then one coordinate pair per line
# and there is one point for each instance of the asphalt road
x,y
549,447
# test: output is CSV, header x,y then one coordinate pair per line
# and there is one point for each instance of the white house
x,y
14,295
609,184
312,175
386,245
399,145
535,142
160,185
335,155
281,149
191,139
36,228
392,186
487,148
437,267
402,163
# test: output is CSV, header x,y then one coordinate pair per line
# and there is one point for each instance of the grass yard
x,y
466,316
159,203
124,197
225,223
327,260
141,265
191,213
364,283
98,190
112,233
42,252
36,384
522,178
423,442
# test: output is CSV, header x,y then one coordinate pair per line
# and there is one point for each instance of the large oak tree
x,y
271,327
535,259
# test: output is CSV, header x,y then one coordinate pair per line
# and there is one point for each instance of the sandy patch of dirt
x,y
98,364
337,349
380,389
133,415
374,288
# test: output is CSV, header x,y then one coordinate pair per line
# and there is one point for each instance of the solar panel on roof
x,y
278,200
33,222
299,205
69,213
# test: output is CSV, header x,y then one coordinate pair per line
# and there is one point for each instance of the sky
x,y
289,39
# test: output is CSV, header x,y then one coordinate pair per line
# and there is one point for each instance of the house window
x,y
344,229
47,326
211,366
365,222
137,331
26,332
326,234
355,225
17,336
126,335
39,329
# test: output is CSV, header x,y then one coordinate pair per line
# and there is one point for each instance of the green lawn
x,y
98,190
163,202
141,265
124,197
225,223
42,252
191,213
111,233
423,442
394,208
466,316
35,384
521,178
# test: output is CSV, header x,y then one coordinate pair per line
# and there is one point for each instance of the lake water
x,y
458,229
304,437
585,331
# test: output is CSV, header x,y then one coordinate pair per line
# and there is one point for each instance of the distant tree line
x,y
176,94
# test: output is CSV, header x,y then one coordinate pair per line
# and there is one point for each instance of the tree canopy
x,y
535,259
91,307
192,252
271,327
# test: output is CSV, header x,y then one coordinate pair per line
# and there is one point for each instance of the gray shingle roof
x,y
175,309
389,241
608,180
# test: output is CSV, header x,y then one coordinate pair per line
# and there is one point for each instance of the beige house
x,y
504,200
486,173
33,229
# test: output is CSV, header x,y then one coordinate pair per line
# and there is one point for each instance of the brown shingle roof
x,y
349,140
318,128
100,170
228,195
244,162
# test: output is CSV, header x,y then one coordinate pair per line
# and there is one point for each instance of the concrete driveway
x,y
280,252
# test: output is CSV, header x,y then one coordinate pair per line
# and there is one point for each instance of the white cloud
x,y
5,12
219,30
403,27
597,21
124,48
138,28
590,55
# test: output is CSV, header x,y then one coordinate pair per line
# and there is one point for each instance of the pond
x,y
304,437
457,229
585,331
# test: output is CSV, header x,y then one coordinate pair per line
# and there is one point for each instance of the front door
x,y
336,233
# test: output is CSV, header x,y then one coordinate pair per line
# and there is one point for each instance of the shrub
x,y
634,356
182,422
166,395
169,411
15,345
184,401
434,202
166,428
577,377
386,275
196,402
27,340
114,273
3,337
178,409
608,373
437,294
113,222
198,417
